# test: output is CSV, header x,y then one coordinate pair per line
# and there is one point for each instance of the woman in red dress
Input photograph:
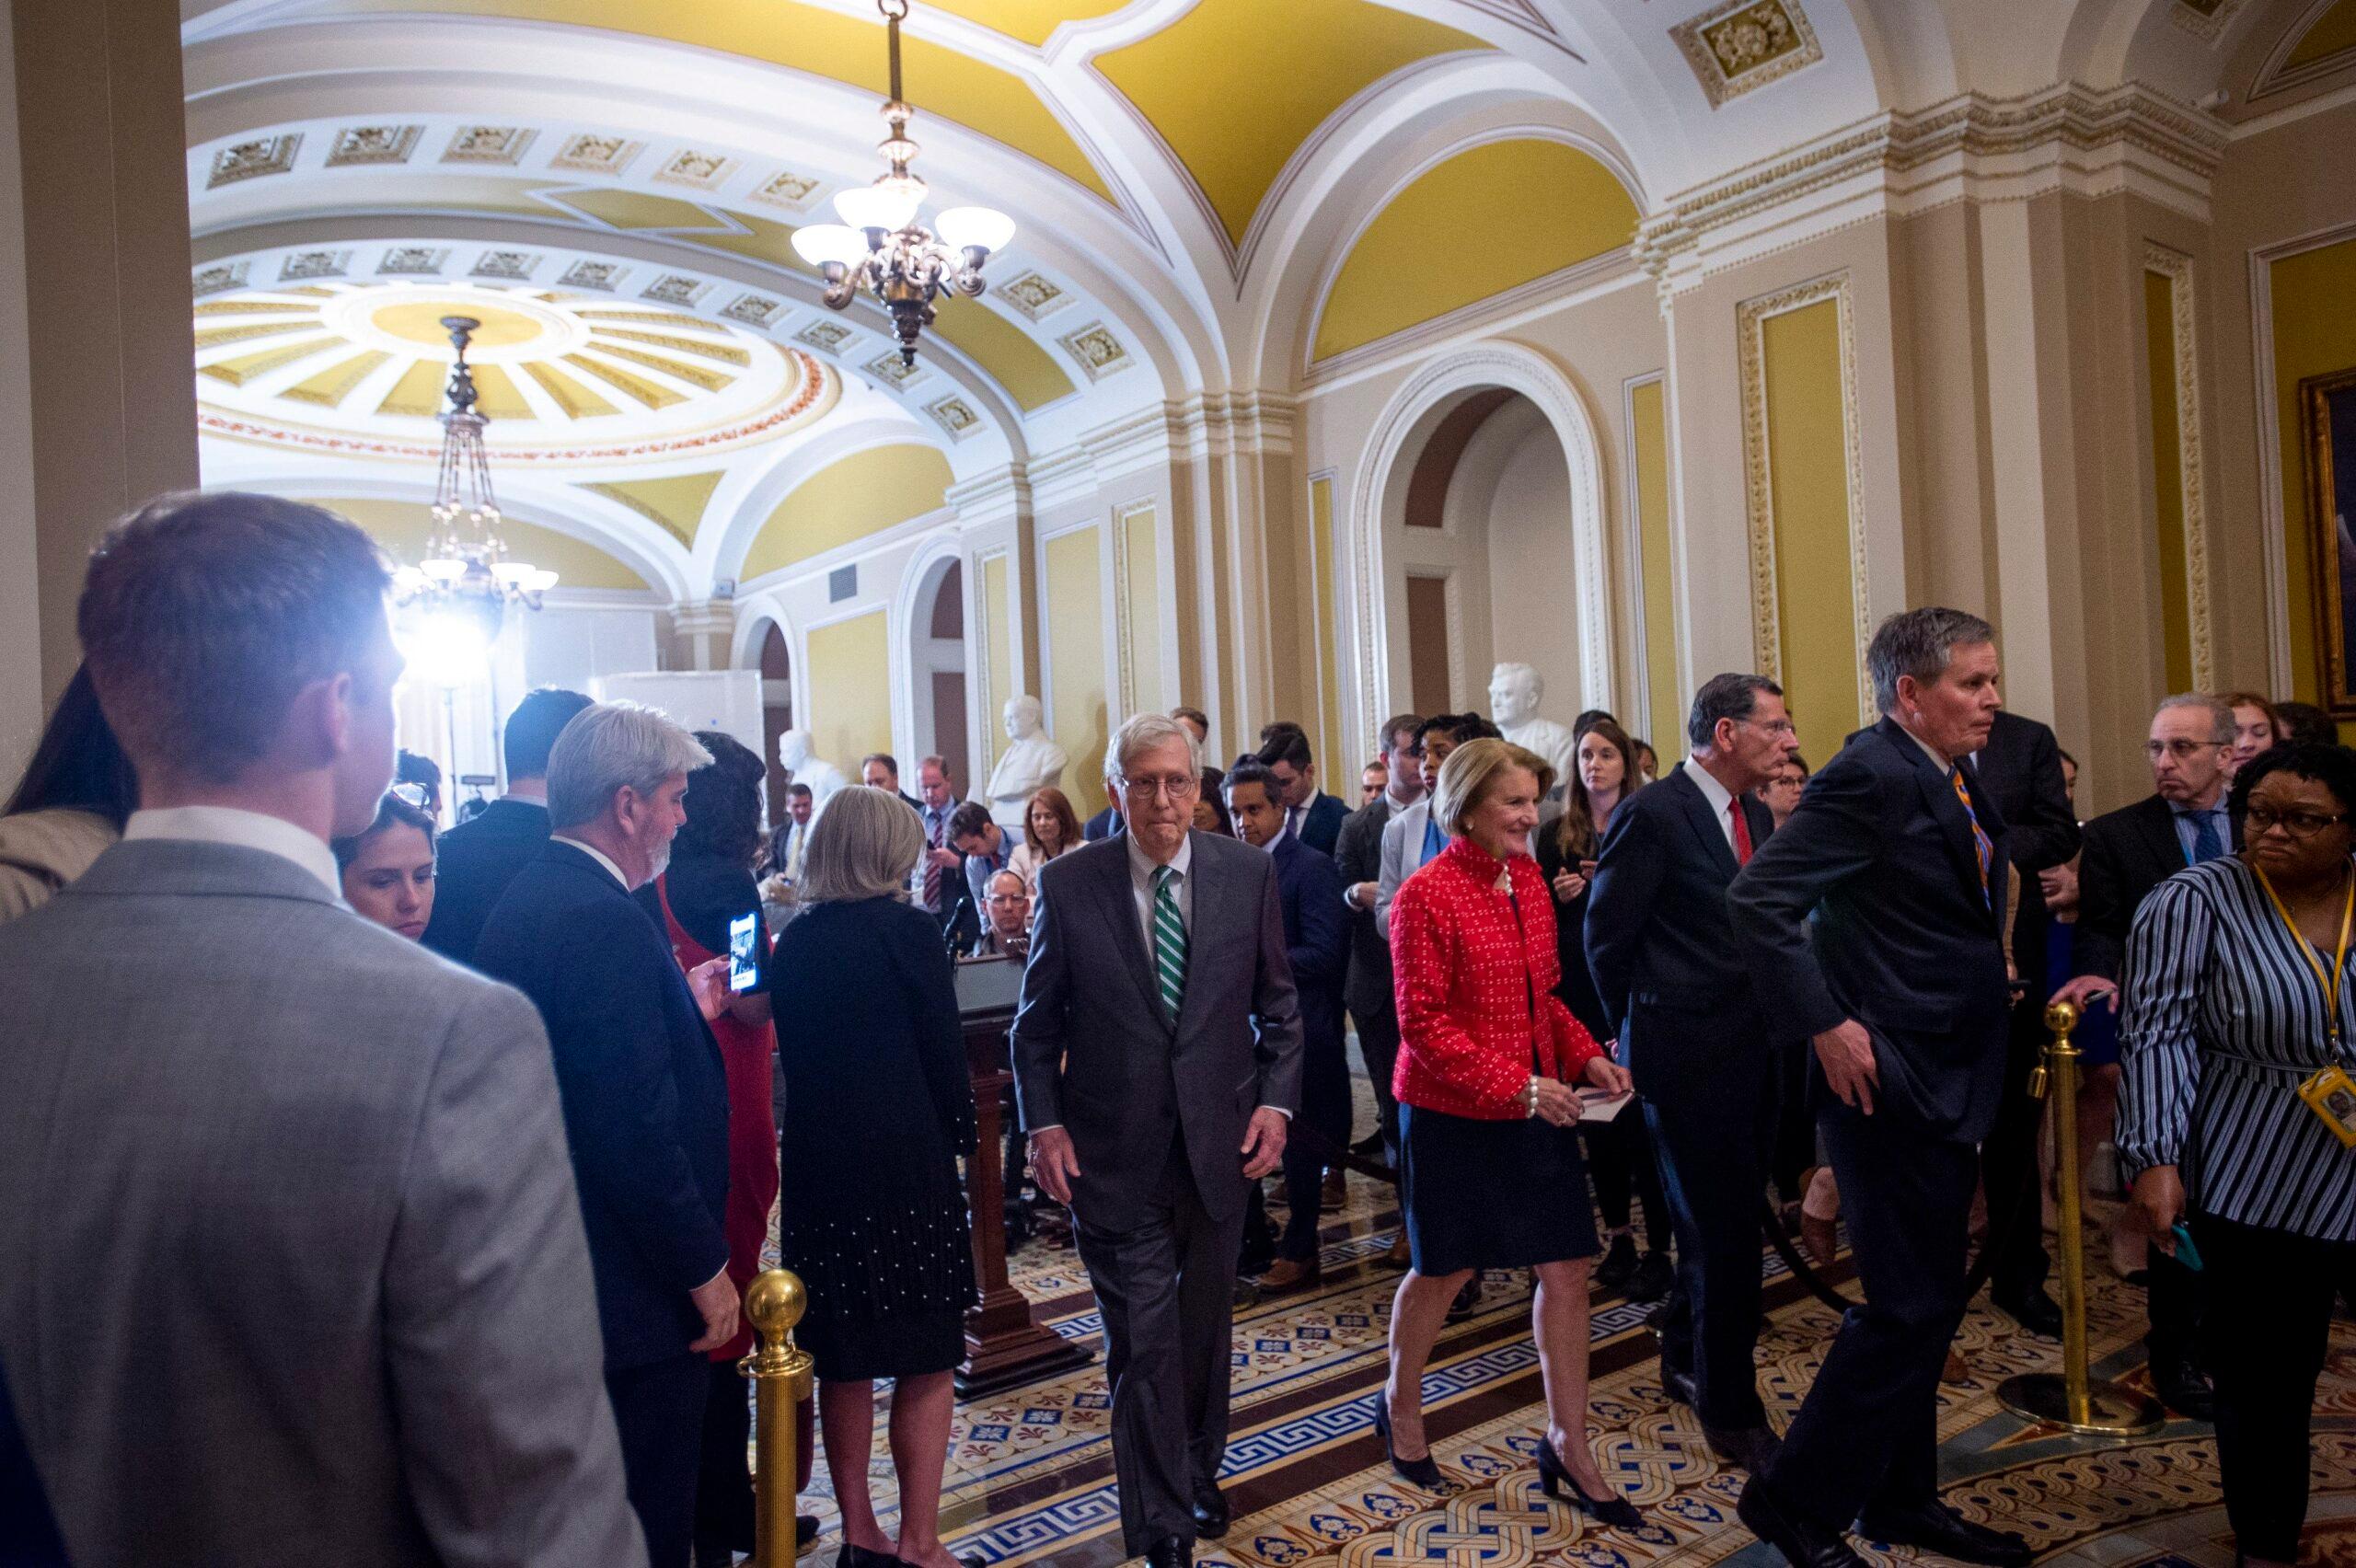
x,y
1490,1176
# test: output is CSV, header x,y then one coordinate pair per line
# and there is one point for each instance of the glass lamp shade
x,y
407,579
819,243
511,572
884,204
445,568
540,581
978,228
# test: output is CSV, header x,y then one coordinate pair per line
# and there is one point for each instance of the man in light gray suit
x,y
292,1267
1157,1061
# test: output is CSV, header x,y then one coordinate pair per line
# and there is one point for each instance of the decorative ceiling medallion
x,y
673,289
488,143
413,261
1033,296
1742,45
754,310
826,336
591,275
894,371
1098,352
699,171
597,154
314,264
213,280
2203,18
517,265
244,160
787,189
953,415
356,145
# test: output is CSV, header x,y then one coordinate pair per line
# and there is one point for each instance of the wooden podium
x,y
1004,1343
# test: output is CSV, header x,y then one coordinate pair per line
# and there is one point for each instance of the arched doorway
x,y
777,708
937,671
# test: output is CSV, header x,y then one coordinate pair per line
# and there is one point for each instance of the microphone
x,y
956,915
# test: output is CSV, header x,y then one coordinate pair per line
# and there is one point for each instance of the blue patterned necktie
x,y
1980,846
2206,844
1169,939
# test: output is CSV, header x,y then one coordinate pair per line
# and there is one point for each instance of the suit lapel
x,y
1208,887
1955,823
1120,895
2159,837
1704,822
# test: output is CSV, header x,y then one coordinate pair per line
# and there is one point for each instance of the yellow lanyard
x,y
2330,983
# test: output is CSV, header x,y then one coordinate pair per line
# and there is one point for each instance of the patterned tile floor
x,y
1030,1470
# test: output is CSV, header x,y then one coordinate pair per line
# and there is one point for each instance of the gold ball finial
x,y
775,1302
2061,1017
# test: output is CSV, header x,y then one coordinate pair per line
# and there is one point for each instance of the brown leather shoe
x,y
1332,1195
1955,1372
1399,1256
1287,1274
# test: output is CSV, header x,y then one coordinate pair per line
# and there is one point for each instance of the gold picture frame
x,y
2327,435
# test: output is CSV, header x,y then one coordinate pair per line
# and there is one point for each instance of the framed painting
x,y
2327,432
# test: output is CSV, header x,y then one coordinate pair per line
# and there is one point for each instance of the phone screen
x,y
744,964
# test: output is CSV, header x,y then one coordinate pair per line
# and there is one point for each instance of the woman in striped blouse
x,y
2236,995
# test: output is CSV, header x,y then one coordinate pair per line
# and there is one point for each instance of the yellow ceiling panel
x,y
216,337
769,242
1236,85
675,504
496,396
727,353
693,375
577,402
650,318
1567,208
243,368
255,307
331,386
650,393
636,209
865,493
1028,20
1009,355
400,526
2334,33
940,81
417,394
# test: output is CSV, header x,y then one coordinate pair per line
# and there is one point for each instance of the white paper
x,y
1597,1106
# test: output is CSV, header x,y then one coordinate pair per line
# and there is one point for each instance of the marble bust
x,y
1513,694
822,777
1031,762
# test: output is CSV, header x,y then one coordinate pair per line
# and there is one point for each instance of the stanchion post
x,y
780,1374
2073,1399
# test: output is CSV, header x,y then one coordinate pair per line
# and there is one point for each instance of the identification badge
x,y
2331,1095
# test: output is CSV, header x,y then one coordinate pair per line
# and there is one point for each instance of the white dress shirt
x,y
248,830
1716,794
1182,886
598,855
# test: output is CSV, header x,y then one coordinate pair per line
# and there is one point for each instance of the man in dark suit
x,y
881,770
1308,889
2020,767
1673,985
645,1096
476,860
1366,989
1873,918
1157,1058
2128,853
1311,816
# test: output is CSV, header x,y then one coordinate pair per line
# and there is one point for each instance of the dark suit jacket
x,y
645,1095
1317,940
1322,825
1107,823
1667,969
2020,767
1095,1052
2128,853
473,864
28,1530
1358,855
1880,852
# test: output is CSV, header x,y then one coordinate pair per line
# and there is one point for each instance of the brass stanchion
x,y
2073,1399
781,1375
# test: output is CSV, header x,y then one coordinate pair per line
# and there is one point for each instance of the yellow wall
x,y
1072,597
850,688
1808,489
2314,334
1338,758
2168,479
1141,604
998,667
865,493
400,526
1649,438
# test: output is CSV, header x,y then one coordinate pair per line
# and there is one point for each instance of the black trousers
x,y
1793,1150
1324,1111
658,1409
1619,1159
2269,1327
1867,1432
1713,1173
723,1473
1379,1048
1166,1288
2176,1298
2008,1169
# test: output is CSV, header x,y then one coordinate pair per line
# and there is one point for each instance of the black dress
x,y
877,1110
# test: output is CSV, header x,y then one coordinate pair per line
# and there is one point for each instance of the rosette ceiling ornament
x,y
880,247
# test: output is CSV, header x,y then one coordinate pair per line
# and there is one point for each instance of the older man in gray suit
x,y
1157,1061
291,1266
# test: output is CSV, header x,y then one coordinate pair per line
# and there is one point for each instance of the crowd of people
x,y
499,1115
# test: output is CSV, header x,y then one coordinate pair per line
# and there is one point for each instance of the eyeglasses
x,y
416,795
2298,824
2182,750
1177,787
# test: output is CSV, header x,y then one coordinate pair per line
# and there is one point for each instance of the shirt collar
x,y
248,830
1397,802
1717,794
1141,865
596,854
2215,808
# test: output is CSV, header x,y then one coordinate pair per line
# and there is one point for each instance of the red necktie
x,y
1741,832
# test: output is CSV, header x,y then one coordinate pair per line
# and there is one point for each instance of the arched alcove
x,y
936,633
776,664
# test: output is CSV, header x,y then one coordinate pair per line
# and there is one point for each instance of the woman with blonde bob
x,y
877,1110
1490,1176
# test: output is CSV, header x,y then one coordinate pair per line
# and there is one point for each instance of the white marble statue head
x,y
793,750
1021,717
1514,691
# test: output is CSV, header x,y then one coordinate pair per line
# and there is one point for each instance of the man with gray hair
x,y
1157,1063
1875,917
2127,854
645,1095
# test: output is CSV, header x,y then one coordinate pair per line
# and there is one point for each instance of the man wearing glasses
x,y
2128,853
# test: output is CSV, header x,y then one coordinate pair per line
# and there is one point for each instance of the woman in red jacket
x,y
1490,1176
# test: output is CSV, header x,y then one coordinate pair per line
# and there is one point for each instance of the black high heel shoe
x,y
1421,1472
1615,1512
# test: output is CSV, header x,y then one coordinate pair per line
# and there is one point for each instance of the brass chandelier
x,y
881,250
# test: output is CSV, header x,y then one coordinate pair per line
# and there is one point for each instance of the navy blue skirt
x,y
1481,1195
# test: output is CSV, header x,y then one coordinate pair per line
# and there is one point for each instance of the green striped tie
x,y
1168,940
